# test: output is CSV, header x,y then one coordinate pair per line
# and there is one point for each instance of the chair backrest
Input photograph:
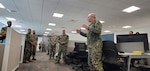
x,y
80,46
110,53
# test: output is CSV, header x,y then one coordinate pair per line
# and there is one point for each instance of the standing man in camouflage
x,y
52,43
94,42
34,39
4,30
28,47
63,43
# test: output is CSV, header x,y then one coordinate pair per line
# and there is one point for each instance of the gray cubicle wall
x,y
2,46
130,46
12,50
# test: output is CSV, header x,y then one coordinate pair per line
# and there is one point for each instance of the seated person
x,y
4,31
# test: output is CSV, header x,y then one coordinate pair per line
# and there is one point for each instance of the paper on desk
x,y
128,54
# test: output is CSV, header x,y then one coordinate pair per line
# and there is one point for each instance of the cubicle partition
x,y
1,54
12,48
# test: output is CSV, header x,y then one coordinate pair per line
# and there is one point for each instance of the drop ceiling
x,y
36,14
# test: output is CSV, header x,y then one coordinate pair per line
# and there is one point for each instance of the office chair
x,y
110,57
144,68
81,56
71,57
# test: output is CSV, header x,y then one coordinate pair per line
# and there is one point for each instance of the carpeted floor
x,y
44,64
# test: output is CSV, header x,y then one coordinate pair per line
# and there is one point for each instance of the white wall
x,y
42,38
22,48
39,40
77,37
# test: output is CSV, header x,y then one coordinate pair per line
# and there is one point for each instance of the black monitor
x,y
134,38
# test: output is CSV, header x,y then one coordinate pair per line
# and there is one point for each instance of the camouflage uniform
x,y
52,45
28,47
34,39
94,45
62,47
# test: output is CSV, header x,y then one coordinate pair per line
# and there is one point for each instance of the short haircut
x,y
92,15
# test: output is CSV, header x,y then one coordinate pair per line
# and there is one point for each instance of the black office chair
x,y
81,56
144,68
70,58
110,57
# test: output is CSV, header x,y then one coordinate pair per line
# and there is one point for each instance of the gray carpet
x,y
44,64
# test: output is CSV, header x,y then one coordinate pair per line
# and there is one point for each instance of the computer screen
x,y
108,37
134,38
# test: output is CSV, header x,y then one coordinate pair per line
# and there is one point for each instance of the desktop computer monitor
x,y
123,40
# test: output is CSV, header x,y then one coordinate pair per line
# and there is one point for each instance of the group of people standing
x,y
94,43
30,46
63,42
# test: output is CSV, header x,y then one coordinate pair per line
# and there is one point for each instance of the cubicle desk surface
x,y
131,56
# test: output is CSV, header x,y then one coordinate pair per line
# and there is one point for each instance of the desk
x,y
130,56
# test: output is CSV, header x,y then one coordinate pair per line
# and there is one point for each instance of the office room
x,y
46,35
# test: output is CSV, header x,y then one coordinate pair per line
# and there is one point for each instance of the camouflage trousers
x,y
33,50
94,60
27,53
62,50
52,51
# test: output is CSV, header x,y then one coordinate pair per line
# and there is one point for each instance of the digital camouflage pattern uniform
x,y
28,47
94,45
62,47
52,43
34,39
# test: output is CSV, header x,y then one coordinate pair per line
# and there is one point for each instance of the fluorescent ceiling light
x,y
12,19
47,32
131,9
83,28
48,29
52,24
2,6
58,15
106,31
127,26
22,30
19,26
73,32
101,21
